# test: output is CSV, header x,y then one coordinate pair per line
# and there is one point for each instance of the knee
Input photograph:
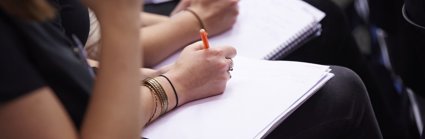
x,y
348,79
346,86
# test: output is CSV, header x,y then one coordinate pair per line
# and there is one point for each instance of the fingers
x,y
227,51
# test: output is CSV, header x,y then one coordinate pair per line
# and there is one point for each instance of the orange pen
x,y
204,37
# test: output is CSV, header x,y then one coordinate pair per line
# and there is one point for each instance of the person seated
x,y
50,92
334,47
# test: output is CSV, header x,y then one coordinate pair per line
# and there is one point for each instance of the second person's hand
x,y
217,15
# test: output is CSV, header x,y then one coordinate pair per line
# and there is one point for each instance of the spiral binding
x,y
307,33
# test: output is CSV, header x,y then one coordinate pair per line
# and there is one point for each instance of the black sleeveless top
x,y
33,55
72,18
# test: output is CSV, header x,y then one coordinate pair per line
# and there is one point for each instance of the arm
x,y
163,39
143,71
25,114
151,19
164,36
197,74
117,109
211,70
114,110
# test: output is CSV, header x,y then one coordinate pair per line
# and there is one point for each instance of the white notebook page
x,y
259,95
265,25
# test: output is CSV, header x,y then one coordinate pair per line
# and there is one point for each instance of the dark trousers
x,y
336,46
339,110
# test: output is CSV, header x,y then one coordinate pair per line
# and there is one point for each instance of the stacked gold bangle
x,y
158,94
155,101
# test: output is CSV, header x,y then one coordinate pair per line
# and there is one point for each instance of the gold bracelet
x,y
162,95
155,101
160,92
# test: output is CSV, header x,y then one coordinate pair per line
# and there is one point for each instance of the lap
x,y
340,109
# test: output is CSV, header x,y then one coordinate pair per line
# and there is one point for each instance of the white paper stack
x,y
259,96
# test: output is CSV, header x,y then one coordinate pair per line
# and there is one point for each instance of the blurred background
x,y
393,49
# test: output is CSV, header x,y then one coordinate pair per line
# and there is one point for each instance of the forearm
x,y
146,97
114,110
163,39
151,19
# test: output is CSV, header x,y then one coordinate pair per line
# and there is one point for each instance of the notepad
x,y
268,29
271,29
258,97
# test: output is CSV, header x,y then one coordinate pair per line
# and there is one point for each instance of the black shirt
x,y
72,18
33,55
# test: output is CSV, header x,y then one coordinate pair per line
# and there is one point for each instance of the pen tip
x,y
202,30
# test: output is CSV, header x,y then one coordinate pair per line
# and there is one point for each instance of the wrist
x,y
160,101
197,17
155,89
187,23
179,87
169,91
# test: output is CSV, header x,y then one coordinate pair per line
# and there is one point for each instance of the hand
x,y
200,73
217,15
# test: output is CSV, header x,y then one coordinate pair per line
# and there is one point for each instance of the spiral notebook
x,y
269,29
